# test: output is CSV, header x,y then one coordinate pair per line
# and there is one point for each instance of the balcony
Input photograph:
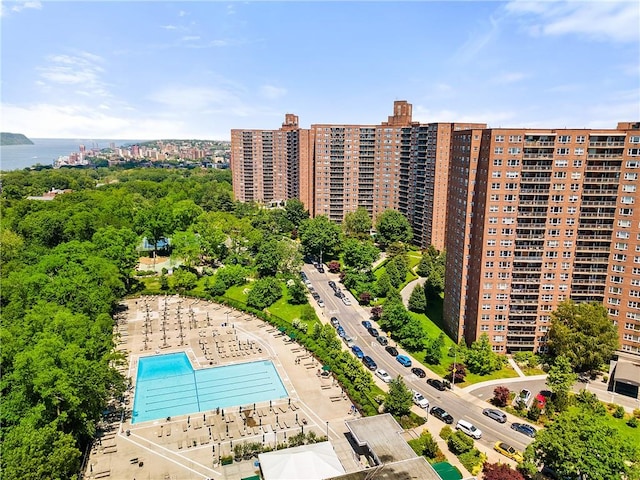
x,y
531,156
546,179
539,143
525,214
606,144
602,168
527,343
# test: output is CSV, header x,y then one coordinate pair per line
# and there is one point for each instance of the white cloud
x,y
612,20
17,7
83,69
186,98
182,13
509,77
190,38
169,27
272,93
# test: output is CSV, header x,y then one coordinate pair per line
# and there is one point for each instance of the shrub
x,y
619,411
500,396
473,460
633,422
636,412
446,432
459,443
534,412
333,266
264,293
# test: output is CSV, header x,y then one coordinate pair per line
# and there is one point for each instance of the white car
x,y
419,400
346,301
383,375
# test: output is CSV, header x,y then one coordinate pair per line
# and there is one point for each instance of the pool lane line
x,y
195,383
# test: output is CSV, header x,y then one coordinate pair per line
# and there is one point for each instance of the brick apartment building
x,y
537,217
528,217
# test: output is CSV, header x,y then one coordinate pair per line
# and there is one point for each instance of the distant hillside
x,y
14,139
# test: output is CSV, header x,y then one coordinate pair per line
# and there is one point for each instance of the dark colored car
x,y
341,332
418,372
393,351
382,340
373,332
332,284
366,324
357,351
303,276
528,430
335,322
437,384
369,363
442,414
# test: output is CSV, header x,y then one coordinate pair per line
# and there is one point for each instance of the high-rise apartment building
x,y
537,217
271,165
528,217
334,169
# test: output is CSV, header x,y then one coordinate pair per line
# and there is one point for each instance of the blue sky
x,y
197,69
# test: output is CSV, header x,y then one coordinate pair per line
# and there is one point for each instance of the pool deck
x,y
190,446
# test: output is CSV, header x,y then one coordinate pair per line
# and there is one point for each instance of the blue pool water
x,y
167,385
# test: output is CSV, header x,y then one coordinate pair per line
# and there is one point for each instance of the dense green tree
x,y
412,334
289,257
119,246
183,280
268,258
392,226
383,285
417,300
297,292
46,452
319,236
186,246
481,359
399,398
359,255
185,213
394,317
155,223
580,445
560,379
397,269
357,224
433,350
295,212
460,442
264,293
583,333
11,245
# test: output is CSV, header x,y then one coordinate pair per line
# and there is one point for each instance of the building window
x,y
564,139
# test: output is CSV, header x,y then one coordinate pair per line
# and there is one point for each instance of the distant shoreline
x,y
7,138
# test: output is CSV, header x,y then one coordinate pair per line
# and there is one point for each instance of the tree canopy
x,y
357,224
580,444
319,235
583,333
392,226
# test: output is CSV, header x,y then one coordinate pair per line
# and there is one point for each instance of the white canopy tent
x,y
309,462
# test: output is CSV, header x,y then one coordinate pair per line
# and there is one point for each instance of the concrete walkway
x,y
515,366
405,293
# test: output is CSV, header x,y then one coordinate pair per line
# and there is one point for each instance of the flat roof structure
x,y
392,455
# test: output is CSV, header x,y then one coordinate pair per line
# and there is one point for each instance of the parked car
x,y
528,430
382,340
404,360
497,415
508,451
419,400
369,363
393,351
321,303
335,322
383,375
366,324
442,414
469,428
303,276
524,396
348,341
437,384
346,300
373,332
332,284
357,351
341,332
543,397
418,372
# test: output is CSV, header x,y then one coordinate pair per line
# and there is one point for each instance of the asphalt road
x,y
351,318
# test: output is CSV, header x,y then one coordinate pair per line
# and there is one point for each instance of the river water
x,y
45,151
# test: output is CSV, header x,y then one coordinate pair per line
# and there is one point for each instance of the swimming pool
x,y
167,385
